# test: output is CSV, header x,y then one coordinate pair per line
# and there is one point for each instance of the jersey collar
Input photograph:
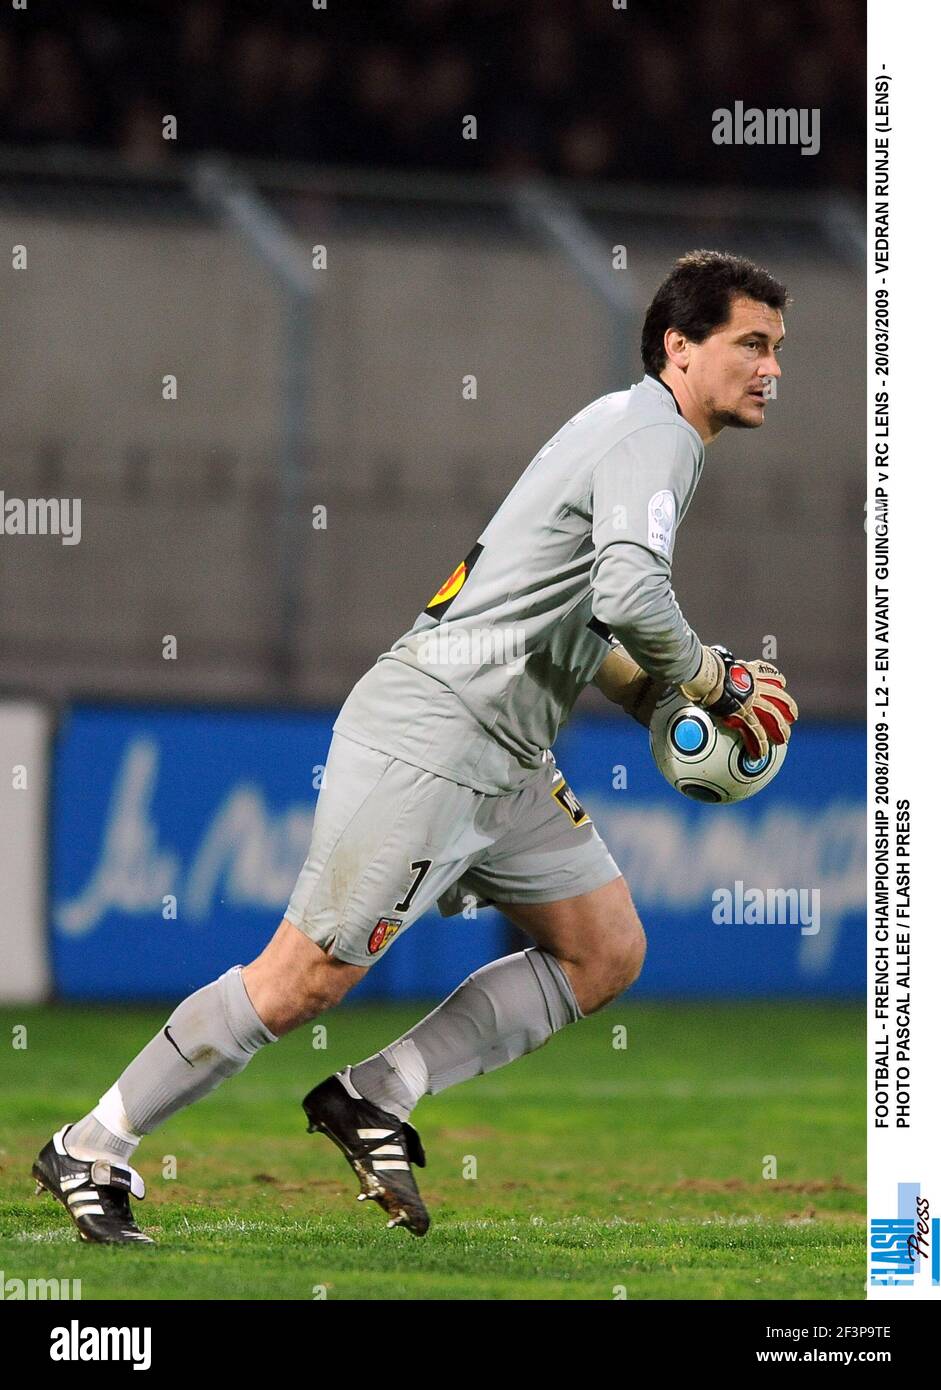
x,y
660,384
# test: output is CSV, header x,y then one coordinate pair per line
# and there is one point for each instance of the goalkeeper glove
x,y
745,695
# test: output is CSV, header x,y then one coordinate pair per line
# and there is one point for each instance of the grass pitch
x,y
584,1171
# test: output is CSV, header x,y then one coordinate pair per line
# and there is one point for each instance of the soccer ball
x,y
702,758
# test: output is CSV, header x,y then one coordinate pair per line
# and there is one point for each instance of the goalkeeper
x,y
440,785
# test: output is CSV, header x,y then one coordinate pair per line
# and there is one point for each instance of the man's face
x,y
729,370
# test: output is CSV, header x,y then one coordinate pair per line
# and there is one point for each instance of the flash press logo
x,y
899,1244
774,126
42,516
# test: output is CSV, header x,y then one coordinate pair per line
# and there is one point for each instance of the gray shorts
x,y
390,839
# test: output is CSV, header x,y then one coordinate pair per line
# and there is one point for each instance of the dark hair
x,y
696,297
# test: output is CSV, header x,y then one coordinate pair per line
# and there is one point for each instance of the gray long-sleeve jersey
x,y
578,555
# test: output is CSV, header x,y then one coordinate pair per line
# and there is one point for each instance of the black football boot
x,y
95,1194
378,1147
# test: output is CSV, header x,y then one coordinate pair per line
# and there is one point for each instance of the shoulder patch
x,y
439,604
661,519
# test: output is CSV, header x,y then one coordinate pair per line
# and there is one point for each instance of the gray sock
x,y
499,1013
212,1035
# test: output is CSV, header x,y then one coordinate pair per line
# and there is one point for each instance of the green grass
x,y
596,1169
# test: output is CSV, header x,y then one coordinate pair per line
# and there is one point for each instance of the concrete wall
x,y
179,524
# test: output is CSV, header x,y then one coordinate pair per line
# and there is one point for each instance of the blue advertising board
x,y
177,836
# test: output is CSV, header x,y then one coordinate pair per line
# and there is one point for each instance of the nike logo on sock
x,y
169,1037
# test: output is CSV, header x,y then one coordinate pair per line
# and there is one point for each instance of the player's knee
x,y
298,1001
616,965
294,980
324,985
632,953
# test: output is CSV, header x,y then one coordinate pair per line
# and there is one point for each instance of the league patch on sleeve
x,y
661,518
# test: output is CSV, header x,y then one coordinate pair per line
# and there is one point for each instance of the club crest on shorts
x,y
382,933
569,802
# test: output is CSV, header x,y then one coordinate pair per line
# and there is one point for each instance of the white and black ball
x,y
702,758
